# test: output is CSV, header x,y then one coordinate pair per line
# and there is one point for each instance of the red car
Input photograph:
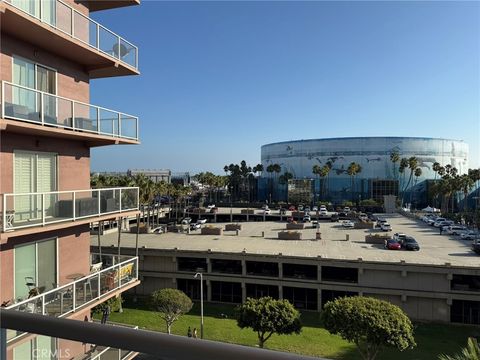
x,y
392,245
291,208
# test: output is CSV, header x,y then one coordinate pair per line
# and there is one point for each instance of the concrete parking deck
x,y
435,249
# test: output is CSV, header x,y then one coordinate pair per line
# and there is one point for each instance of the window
x,y
44,10
191,287
39,348
299,271
465,283
192,264
35,267
339,274
227,266
226,291
259,290
465,312
261,268
22,101
301,298
33,173
329,295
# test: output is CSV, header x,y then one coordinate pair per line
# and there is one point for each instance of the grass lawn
x,y
314,340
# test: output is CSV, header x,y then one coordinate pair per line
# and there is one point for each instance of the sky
x,y
220,79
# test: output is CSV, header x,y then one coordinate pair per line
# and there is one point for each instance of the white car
x,y
455,229
211,206
436,221
470,235
399,236
159,230
386,227
267,211
346,209
201,221
348,224
195,226
323,212
315,208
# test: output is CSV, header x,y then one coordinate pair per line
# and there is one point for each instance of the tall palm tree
x,y
394,158
466,184
417,174
324,173
412,165
471,352
352,170
316,170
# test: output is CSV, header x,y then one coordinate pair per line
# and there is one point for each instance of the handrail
x,y
97,45
73,283
118,116
40,215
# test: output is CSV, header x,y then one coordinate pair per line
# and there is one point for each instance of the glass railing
x,y
40,209
66,19
34,106
107,276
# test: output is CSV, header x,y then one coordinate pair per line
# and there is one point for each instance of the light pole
x,y
199,274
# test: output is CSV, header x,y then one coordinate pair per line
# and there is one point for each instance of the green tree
x,y
394,158
170,304
353,170
369,323
267,316
471,352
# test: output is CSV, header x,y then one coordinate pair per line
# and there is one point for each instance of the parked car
x,y
264,207
266,211
195,226
291,208
314,208
201,221
307,209
379,223
211,206
186,221
306,218
393,245
282,211
409,243
334,218
290,219
455,229
300,207
386,227
346,209
476,246
323,212
159,230
323,207
437,221
470,235
363,217
399,236
348,224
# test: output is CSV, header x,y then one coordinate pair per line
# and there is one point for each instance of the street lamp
x,y
199,274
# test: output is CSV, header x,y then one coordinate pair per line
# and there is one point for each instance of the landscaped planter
x,y
143,230
376,239
364,225
233,227
290,235
246,211
298,214
297,226
211,231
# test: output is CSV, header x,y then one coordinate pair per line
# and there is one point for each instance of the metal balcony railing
x,y
71,22
75,295
40,209
38,107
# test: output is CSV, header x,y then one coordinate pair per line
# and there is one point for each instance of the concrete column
x,y
215,217
244,292
319,272
209,290
319,299
244,267
280,270
209,266
280,292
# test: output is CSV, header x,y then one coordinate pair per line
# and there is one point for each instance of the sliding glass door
x,y
35,266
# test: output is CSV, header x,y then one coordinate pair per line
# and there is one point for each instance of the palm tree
x,y
466,184
417,174
316,170
471,352
352,170
394,158
412,165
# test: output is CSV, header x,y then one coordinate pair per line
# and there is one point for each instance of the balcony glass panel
x,y
109,43
22,103
129,199
129,126
85,117
63,17
108,121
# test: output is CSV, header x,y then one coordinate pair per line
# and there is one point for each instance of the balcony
x,y
86,291
96,5
61,29
28,210
62,117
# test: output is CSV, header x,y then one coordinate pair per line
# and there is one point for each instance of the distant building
x,y
155,175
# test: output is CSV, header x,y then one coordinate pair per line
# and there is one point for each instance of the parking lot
x,y
434,248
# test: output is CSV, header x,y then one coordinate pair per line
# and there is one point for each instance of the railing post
x,y
4,213
120,201
98,37
136,125
74,294
119,47
43,209
42,108
99,210
136,268
43,305
73,115
73,21
99,293
119,119
3,100
98,120
74,197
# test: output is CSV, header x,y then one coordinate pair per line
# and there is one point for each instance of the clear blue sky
x,y
220,79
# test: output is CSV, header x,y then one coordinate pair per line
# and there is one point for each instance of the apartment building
x,y
50,50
